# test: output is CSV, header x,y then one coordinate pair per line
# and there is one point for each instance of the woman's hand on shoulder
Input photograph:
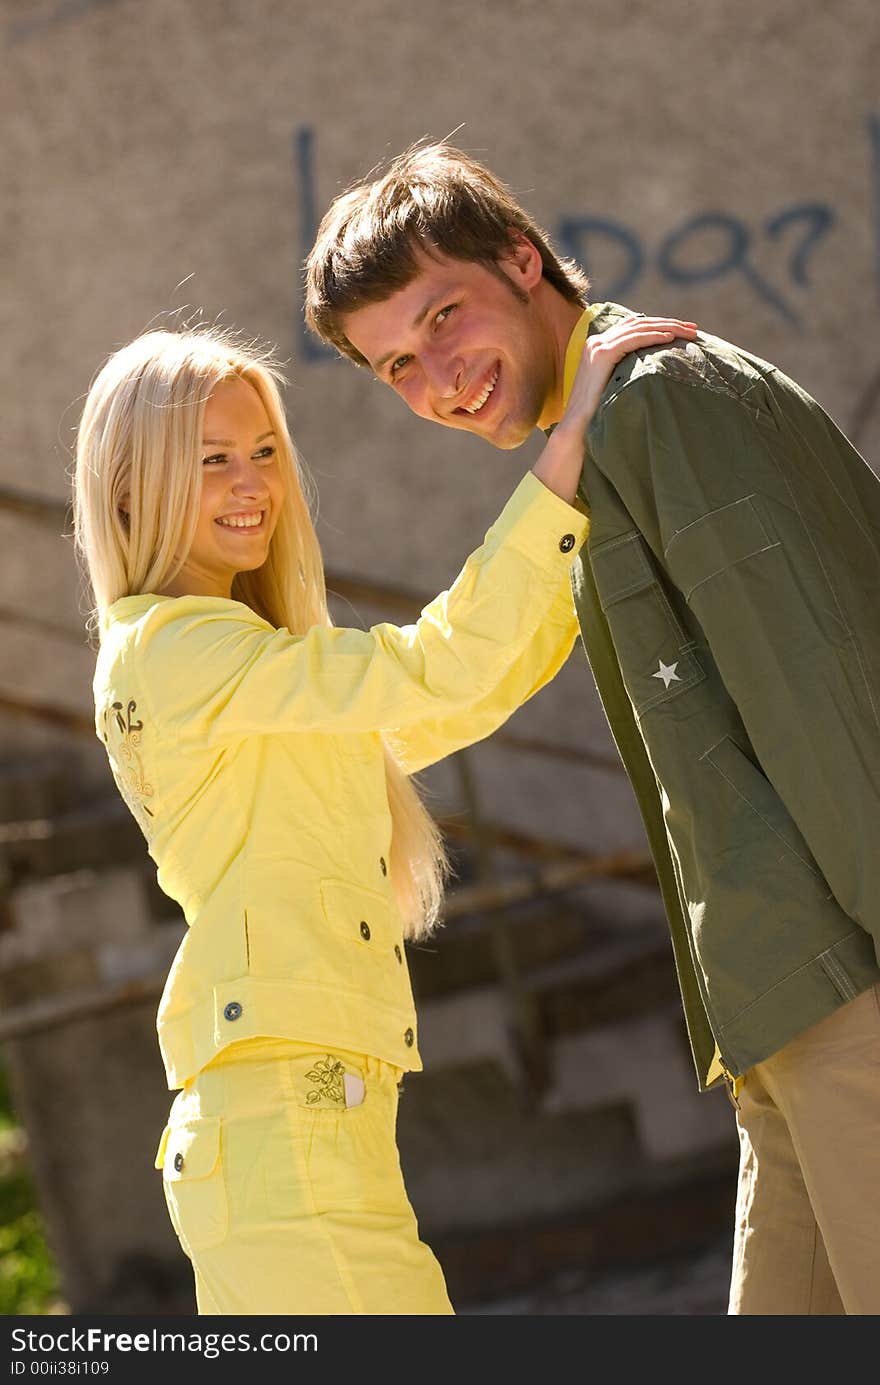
x,y
603,350
559,465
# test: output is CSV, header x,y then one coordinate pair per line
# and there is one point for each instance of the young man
x,y
729,602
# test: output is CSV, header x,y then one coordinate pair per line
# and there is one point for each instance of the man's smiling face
x,y
464,346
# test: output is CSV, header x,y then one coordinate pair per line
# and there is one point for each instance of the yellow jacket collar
x,y
575,348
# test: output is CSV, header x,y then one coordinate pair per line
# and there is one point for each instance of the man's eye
x,y
397,366
444,313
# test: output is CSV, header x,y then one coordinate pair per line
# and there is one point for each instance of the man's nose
x,y
444,373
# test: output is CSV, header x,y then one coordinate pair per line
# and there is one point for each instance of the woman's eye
x,y
265,453
398,365
217,457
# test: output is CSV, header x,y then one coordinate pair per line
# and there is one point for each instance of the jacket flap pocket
x,y
712,544
359,914
192,1149
160,1152
621,567
755,790
655,651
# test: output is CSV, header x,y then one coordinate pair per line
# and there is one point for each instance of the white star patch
x,y
667,673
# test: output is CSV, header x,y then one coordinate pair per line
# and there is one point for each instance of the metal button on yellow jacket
x,y
252,761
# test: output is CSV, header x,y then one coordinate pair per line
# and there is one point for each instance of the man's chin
x,y
507,435
511,435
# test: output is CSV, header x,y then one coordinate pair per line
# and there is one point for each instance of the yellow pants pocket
x,y
343,1120
331,1081
192,1177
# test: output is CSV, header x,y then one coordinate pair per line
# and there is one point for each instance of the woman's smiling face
x,y
242,492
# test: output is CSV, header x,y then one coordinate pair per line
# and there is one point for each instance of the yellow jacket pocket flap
x,y
160,1152
362,915
192,1149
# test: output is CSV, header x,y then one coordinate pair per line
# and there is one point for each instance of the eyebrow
x,y
228,442
416,322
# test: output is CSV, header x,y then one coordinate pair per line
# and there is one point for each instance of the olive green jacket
x,y
729,602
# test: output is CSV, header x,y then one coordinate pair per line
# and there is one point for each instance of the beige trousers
x,y
808,1202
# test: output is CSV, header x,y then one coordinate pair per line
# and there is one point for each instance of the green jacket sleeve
x,y
713,485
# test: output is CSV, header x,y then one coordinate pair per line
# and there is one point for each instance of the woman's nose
x,y
248,479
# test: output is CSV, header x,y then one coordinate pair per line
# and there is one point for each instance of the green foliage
x,y
28,1276
7,1116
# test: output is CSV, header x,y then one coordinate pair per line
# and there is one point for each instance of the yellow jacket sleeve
x,y
428,741
220,672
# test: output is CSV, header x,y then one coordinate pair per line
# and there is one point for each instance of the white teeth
x,y
481,399
242,521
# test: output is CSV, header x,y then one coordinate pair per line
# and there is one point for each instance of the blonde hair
x,y
139,440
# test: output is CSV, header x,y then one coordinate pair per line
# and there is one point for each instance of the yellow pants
x,y
283,1183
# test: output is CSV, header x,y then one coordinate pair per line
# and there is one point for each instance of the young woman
x,y
265,756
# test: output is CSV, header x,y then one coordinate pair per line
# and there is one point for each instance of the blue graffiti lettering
x,y
303,152
575,234
819,220
735,238
874,143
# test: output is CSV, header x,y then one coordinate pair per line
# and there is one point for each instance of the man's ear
x,y
522,263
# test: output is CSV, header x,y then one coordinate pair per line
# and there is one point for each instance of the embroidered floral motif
x,y
328,1074
131,778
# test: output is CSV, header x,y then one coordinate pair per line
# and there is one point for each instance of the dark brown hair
x,y
432,197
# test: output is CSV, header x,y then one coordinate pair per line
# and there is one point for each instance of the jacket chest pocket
x,y
655,652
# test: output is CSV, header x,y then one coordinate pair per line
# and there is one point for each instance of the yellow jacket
x,y
252,761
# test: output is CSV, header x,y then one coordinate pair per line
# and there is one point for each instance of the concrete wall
x,y
717,161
